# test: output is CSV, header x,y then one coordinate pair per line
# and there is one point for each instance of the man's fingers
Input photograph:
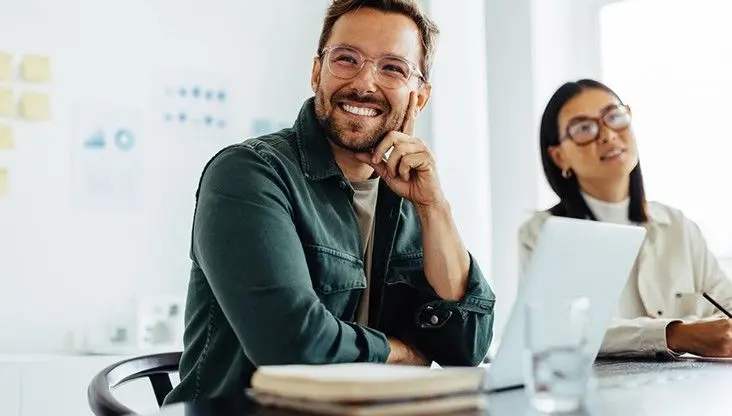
x,y
411,115
400,151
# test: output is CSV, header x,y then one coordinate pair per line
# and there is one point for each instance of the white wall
x,y
85,267
66,266
72,265
512,132
533,46
459,122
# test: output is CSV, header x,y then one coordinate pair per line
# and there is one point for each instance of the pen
x,y
717,305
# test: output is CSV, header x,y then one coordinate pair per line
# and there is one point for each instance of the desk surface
x,y
684,387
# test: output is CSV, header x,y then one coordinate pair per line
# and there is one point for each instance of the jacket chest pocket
x,y
338,279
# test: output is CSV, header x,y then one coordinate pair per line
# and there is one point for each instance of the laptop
x,y
572,259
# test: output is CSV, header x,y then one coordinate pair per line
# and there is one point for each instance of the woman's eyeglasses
x,y
585,130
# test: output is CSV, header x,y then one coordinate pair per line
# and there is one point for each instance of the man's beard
x,y
335,133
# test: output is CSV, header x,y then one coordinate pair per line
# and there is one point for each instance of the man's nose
x,y
365,80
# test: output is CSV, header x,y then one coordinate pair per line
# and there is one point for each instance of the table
x,y
622,387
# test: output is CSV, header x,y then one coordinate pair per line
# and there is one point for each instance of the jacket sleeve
x,y
646,337
638,337
715,281
246,243
456,333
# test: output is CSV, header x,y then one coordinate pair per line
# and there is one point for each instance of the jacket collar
x,y
316,156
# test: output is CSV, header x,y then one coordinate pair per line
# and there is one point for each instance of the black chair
x,y
156,367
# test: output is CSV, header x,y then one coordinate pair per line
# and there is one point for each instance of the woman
x,y
590,159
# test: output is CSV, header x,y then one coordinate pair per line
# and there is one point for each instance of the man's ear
x,y
315,75
555,152
423,96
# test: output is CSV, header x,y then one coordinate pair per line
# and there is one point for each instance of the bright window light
x,y
671,61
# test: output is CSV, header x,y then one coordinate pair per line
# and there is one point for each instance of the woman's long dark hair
x,y
571,203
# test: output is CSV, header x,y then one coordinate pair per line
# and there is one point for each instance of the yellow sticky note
x,y
7,103
6,67
4,181
6,137
35,106
35,68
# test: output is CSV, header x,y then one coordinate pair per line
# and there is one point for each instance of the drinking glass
x,y
558,366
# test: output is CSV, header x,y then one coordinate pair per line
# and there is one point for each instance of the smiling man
x,y
332,241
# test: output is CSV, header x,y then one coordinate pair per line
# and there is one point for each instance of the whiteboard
x,y
101,196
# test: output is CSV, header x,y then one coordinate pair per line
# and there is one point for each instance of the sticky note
x,y
7,103
6,67
35,68
6,137
4,181
35,106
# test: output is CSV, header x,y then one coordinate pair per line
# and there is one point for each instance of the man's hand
x,y
409,169
411,173
704,338
402,353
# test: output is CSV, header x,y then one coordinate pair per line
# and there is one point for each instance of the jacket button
x,y
342,184
660,313
434,319
678,295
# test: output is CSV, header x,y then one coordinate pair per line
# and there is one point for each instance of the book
x,y
369,388
439,405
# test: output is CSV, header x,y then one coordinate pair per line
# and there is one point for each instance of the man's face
x,y
357,113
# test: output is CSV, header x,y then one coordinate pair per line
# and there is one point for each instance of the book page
x,y
357,372
689,356
346,372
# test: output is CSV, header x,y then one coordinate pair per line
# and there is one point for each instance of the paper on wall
x,y
6,137
35,106
36,68
6,67
4,181
107,158
7,103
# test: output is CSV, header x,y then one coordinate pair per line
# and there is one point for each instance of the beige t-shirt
x,y
364,203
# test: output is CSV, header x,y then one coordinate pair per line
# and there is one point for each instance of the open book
x,y
369,388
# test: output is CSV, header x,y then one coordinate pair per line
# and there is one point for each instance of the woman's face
x,y
596,140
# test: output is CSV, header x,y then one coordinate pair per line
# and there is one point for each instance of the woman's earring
x,y
567,173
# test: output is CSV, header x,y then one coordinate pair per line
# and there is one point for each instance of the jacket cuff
x,y
376,344
478,298
653,337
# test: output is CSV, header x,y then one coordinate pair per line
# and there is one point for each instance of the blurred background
x,y
110,109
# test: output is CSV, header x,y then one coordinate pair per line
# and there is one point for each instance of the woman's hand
x,y
711,338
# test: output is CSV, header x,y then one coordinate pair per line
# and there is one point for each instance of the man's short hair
x,y
429,33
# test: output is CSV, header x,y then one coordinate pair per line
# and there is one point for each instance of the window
x,y
671,61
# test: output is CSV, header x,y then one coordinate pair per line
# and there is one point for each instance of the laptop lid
x,y
572,258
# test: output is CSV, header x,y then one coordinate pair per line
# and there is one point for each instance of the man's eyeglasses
x,y
585,130
390,71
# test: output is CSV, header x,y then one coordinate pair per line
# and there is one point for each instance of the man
x,y
311,245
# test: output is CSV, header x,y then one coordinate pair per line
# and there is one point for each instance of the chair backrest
x,y
155,367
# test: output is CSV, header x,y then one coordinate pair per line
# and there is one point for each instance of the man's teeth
x,y
360,111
